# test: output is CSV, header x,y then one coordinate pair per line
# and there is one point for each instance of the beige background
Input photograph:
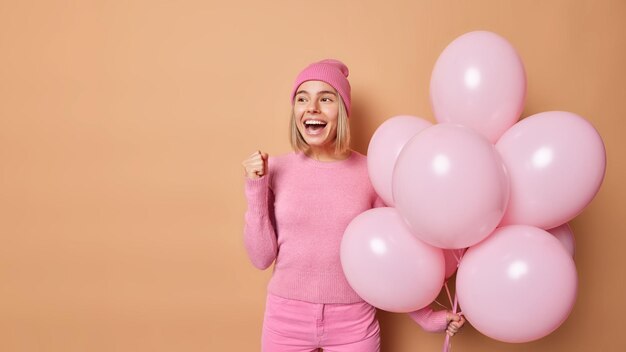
x,y
123,125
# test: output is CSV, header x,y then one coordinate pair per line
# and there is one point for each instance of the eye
x,y
300,99
327,99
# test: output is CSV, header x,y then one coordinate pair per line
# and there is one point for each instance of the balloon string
x,y
458,259
447,345
448,292
441,305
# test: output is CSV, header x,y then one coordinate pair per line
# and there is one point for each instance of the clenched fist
x,y
255,166
455,323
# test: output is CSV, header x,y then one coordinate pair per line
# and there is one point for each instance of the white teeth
x,y
314,122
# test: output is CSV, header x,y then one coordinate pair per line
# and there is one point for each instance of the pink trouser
x,y
297,326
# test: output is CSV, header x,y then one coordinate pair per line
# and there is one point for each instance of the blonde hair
x,y
342,139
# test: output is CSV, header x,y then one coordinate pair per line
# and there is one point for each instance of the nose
x,y
312,106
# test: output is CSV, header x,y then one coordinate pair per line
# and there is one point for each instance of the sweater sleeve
x,y
430,320
259,234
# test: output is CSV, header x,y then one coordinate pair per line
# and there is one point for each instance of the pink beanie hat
x,y
333,72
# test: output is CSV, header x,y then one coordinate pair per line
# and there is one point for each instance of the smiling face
x,y
316,110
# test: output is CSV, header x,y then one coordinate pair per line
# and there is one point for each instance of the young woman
x,y
299,206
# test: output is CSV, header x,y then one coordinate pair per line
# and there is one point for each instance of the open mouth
x,y
314,126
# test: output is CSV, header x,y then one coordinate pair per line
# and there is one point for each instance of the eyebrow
x,y
319,93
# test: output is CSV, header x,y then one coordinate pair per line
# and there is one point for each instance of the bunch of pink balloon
x,y
482,181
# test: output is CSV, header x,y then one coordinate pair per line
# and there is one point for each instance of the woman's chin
x,y
318,143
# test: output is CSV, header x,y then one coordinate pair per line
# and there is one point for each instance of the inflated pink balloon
x,y
479,81
451,186
518,285
387,266
565,234
556,161
384,148
452,257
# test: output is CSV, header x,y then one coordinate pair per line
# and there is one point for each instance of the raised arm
x,y
259,234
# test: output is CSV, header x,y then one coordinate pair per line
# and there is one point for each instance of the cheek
x,y
298,111
332,114
333,122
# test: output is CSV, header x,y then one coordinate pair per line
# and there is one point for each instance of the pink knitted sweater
x,y
296,218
